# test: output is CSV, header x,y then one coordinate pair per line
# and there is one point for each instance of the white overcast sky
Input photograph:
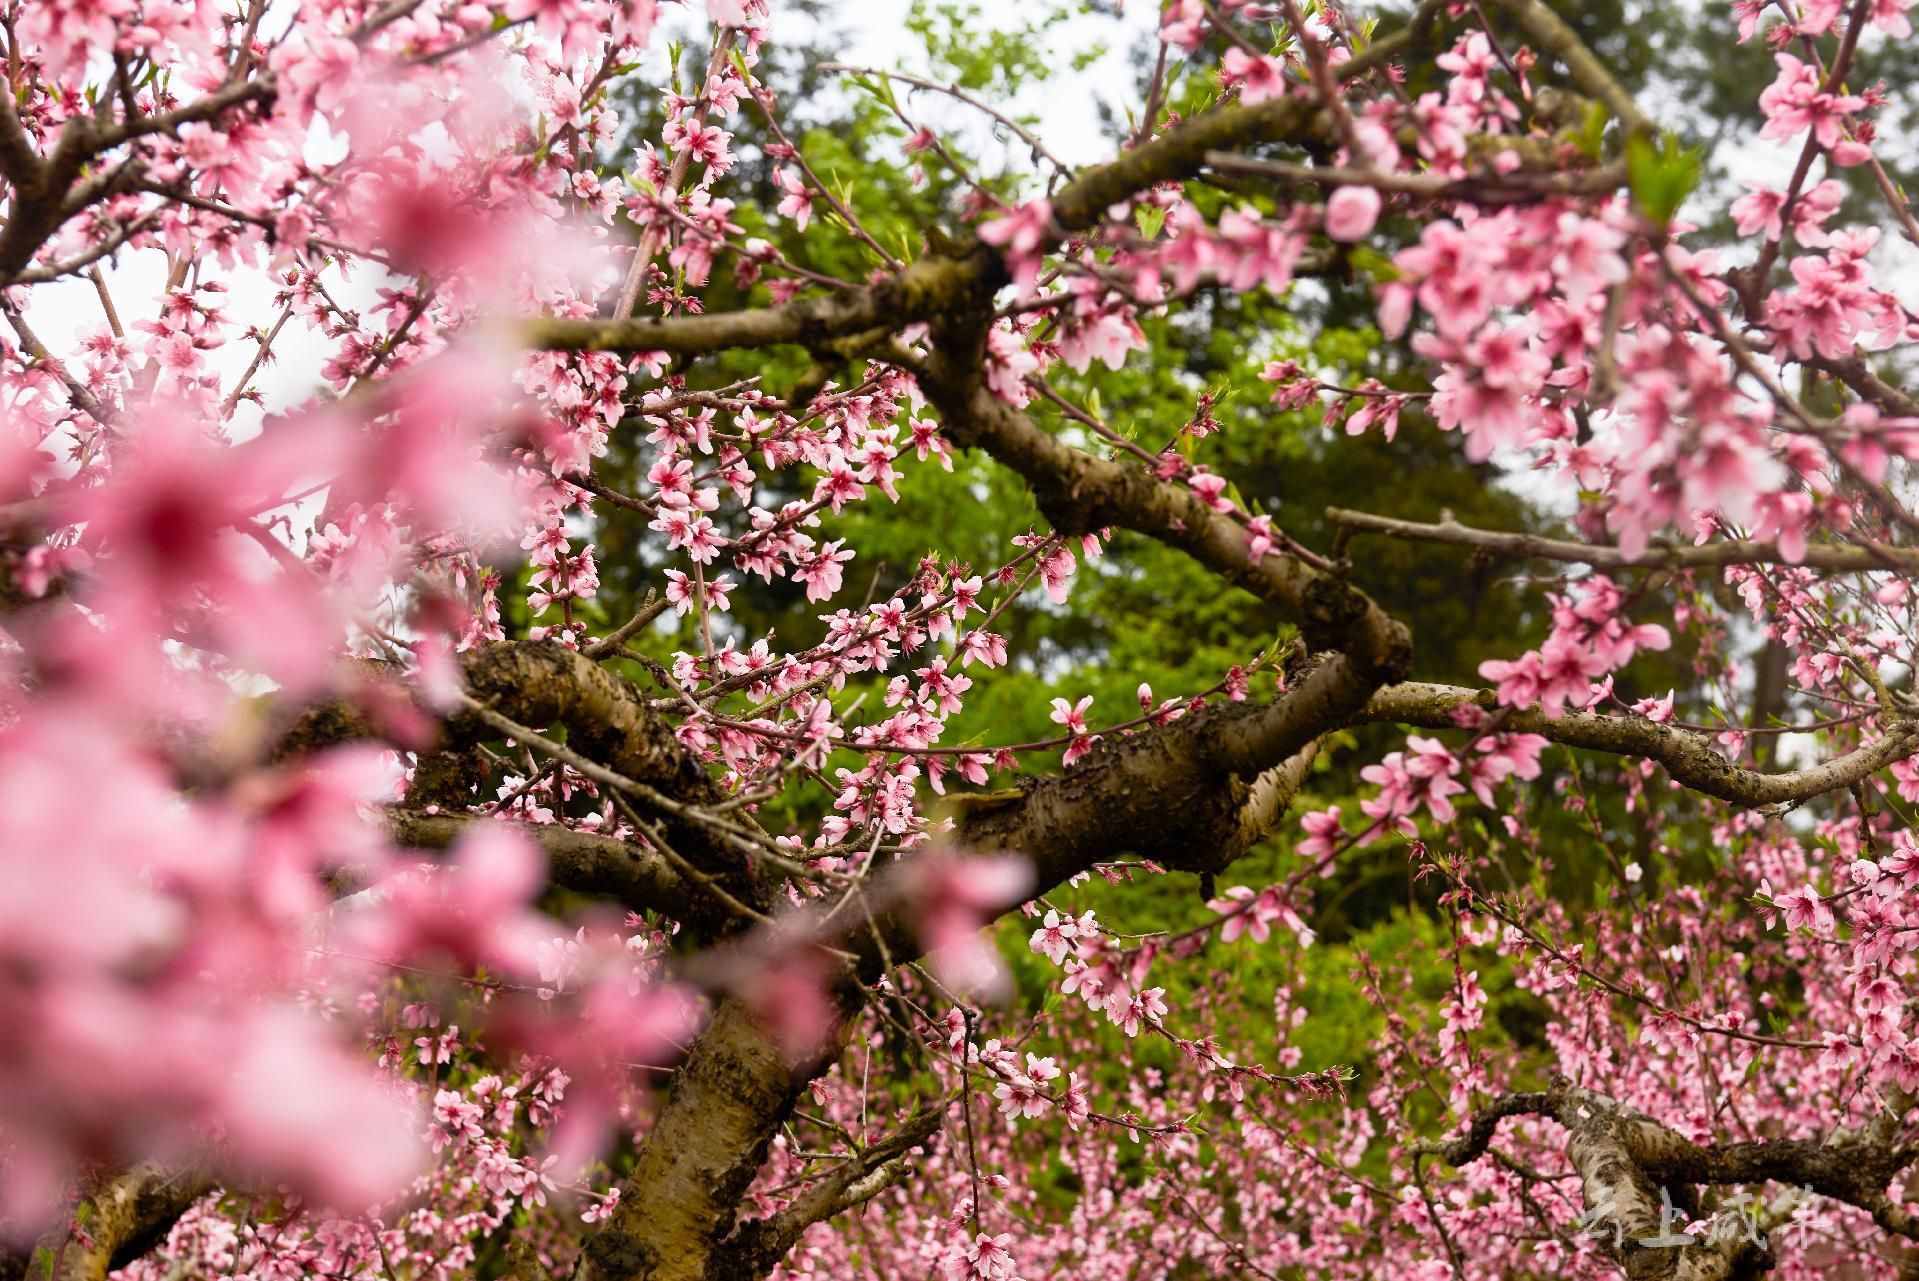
x,y
1067,110
876,36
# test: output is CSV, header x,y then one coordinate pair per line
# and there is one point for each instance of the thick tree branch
x,y
1192,796
1692,758
127,1214
1624,1158
923,289
1624,1207
1552,36
544,685
1080,493
738,1086
19,163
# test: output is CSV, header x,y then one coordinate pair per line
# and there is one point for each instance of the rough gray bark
x,y
126,1215
1625,1160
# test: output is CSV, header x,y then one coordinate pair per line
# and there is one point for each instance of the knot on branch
x,y
1337,615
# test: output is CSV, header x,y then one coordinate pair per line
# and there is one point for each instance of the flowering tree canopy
x,y
376,904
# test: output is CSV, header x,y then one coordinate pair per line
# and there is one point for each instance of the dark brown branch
x,y
1080,493
1484,1125
631,875
88,257
544,685
1858,375
1192,796
1834,557
19,162
760,1245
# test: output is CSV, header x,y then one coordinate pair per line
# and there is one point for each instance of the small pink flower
x,y
1071,715
1351,213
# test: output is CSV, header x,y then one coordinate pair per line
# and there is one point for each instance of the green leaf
x,y
1592,130
1662,175
1150,219
1372,264
881,87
